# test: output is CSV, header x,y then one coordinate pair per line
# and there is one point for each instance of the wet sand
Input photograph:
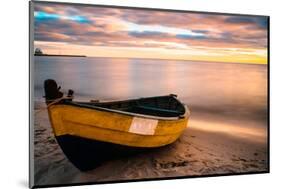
x,y
199,151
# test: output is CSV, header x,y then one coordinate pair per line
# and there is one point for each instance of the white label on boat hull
x,y
143,126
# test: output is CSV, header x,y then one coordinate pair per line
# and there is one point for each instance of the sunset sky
x,y
112,32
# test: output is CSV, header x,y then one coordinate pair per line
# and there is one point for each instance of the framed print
x,y
120,94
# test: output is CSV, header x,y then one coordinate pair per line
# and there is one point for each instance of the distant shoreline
x,y
179,60
59,55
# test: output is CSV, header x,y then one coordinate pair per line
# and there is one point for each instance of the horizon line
x,y
210,61
205,61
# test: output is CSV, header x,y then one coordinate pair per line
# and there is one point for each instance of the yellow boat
x,y
91,132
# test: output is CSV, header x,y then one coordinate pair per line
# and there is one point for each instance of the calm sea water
x,y
238,91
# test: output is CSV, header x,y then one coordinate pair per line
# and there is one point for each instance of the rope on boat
x,y
53,102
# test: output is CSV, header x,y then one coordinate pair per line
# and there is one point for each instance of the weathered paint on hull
x,y
114,127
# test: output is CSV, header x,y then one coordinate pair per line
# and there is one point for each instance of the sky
x,y
134,33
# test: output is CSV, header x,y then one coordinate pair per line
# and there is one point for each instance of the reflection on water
x,y
225,90
249,130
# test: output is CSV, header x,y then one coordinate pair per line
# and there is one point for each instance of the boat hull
x,y
114,127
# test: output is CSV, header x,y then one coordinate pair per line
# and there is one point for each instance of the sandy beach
x,y
203,149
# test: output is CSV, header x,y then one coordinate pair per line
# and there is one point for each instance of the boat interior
x,y
162,106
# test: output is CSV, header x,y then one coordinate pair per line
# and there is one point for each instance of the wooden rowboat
x,y
91,132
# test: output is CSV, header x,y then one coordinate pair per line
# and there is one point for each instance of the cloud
x,y
200,31
147,34
240,19
262,22
258,21
186,36
98,26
